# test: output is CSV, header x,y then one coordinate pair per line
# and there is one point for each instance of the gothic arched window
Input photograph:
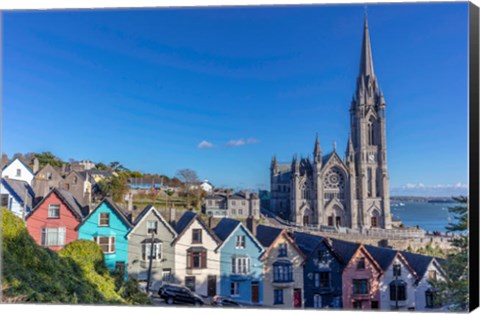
x,y
370,131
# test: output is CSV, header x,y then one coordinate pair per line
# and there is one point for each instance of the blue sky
x,y
147,87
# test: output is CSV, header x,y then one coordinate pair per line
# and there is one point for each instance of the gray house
x,y
141,242
238,205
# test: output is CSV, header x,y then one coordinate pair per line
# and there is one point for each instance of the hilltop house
x,y
45,180
322,272
18,170
238,205
197,262
240,262
17,195
80,185
283,264
108,226
54,221
151,235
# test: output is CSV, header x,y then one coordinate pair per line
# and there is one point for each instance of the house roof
x,y
266,235
46,168
307,242
68,199
187,219
418,262
225,227
144,213
344,249
122,214
383,256
11,162
17,189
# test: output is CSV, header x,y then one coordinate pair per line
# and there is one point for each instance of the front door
x,y
374,222
297,298
212,286
330,221
338,221
255,295
305,220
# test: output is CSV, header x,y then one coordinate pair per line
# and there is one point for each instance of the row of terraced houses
x,y
251,263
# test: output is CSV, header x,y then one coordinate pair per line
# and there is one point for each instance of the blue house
x,y
322,272
240,262
108,226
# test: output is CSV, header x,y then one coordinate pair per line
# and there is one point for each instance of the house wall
x,y
387,278
137,266
13,205
117,228
251,250
351,272
332,297
78,189
39,219
288,288
213,259
42,185
423,286
11,172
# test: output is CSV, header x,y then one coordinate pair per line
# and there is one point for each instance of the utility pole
x,y
150,261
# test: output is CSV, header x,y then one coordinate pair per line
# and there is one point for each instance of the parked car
x,y
226,302
173,293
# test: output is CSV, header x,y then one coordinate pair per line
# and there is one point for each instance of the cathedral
x,y
329,190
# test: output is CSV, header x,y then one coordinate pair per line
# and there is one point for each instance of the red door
x,y
297,297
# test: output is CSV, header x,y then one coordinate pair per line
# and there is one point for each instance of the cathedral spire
x,y
366,59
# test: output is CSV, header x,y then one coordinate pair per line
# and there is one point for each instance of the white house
x,y
197,265
206,186
13,194
427,268
17,170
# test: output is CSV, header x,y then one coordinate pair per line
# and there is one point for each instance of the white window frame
x,y
100,220
241,265
158,250
240,243
111,243
317,301
60,235
235,286
18,173
156,226
51,207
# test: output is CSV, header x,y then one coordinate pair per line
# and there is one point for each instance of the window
x,y
360,286
357,304
197,236
234,203
190,282
317,301
240,265
361,263
322,279
282,250
330,221
152,226
234,289
243,202
104,219
53,236
107,244
374,305
19,172
398,291
196,258
234,212
374,222
278,296
210,203
167,274
4,200
397,270
282,272
431,299
240,211
240,242
75,180
49,176
432,275
322,256
54,211
157,251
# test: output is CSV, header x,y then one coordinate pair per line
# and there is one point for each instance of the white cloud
x,y
420,189
241,142
205,145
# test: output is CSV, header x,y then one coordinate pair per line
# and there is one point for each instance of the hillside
x,y
76,275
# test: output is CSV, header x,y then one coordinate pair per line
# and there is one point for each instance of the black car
x,y
173,293
226,302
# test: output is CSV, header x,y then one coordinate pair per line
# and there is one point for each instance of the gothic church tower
x,y
367,150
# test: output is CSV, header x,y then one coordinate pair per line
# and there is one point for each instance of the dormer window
x,y
19,173
54,211
397,270
361,263
75,179
282,250
49,176
432,275
152,226
104,220
197,236
240,242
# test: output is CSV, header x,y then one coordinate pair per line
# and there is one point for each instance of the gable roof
x,y
345,249
309,243
226,227
144,214
186,220
17,189
47,167
68,199
266,235
383,256
13,160
418,262
116,209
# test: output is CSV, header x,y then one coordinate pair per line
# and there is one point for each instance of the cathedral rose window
x,y
334,179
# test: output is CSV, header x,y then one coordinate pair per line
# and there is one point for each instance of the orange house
x,y
360,277
53,222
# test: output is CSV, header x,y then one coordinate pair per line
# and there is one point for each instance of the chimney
x,y
252,225
64,168
130,202
36,165
171,216
210,220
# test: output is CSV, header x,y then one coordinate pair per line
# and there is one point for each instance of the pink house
x,y
53,222
361,277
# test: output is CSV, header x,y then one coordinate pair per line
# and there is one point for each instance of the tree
x,y
116,187
455,287
188,176
48,158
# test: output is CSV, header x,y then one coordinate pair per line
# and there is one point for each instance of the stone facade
x,y
238,205
350,192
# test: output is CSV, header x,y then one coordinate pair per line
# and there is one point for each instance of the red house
x,y
53,222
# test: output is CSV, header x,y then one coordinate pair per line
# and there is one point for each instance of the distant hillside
x,y
33,274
